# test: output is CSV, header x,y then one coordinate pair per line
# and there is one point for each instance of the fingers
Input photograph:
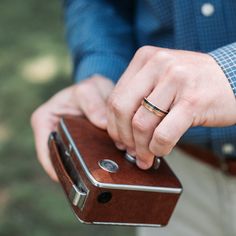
x,y
124,103
171,128
121,132
144,123
141,57
93,102
86,98
42,126
133,126
137,82
45,120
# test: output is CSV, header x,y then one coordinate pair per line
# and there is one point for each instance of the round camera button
x,y
108,165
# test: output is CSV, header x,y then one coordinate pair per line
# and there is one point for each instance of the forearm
x,y
100,37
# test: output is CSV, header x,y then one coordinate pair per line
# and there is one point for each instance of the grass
x,y
34,65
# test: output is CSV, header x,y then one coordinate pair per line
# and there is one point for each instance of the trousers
x,y
207,206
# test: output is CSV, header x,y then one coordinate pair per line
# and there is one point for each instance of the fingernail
x,y
120,146
131,152
142,165
103,120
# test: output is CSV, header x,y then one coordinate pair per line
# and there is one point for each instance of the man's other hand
x,y
86,98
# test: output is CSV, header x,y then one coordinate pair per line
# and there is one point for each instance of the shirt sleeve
x,y
100,37
226,58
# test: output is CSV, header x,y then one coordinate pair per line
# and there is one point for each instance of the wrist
x,y
225,57
108,66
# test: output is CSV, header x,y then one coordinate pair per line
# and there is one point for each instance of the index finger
x,y
140,58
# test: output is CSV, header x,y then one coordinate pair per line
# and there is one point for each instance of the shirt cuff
x,y
109,66
226,59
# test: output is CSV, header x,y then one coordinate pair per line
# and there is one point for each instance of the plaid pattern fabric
x,y
226,58
103,36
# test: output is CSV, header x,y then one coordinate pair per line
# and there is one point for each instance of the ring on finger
x,y
154,109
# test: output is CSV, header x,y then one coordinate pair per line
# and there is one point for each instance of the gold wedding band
x,y
154,109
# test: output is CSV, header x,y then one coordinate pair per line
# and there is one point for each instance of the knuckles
x,y
82,88
173,69
88,84
139,124
163,55
145,52
176,72
159,152
161,140
115,105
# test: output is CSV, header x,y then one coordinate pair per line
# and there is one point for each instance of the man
x,y
192,87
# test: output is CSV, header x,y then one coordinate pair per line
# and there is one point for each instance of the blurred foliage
x,y
33,65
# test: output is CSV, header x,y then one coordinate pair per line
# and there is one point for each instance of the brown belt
x,y
227,165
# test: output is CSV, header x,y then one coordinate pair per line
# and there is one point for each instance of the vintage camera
x,y
103,185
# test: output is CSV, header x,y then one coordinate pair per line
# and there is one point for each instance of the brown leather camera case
x,y
116,193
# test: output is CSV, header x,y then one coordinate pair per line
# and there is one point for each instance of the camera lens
x,y
104,197
108,165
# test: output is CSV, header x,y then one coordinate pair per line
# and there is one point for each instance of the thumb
x,y
99,117
94,108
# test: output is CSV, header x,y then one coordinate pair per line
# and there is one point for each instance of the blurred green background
x,y
34,64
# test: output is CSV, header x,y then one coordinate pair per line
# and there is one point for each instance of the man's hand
x,y
87,98
190,85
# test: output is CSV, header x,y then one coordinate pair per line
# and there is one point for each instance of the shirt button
x,y
228,149
207,9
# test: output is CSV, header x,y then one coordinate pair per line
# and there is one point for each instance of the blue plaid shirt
x,y
103,36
